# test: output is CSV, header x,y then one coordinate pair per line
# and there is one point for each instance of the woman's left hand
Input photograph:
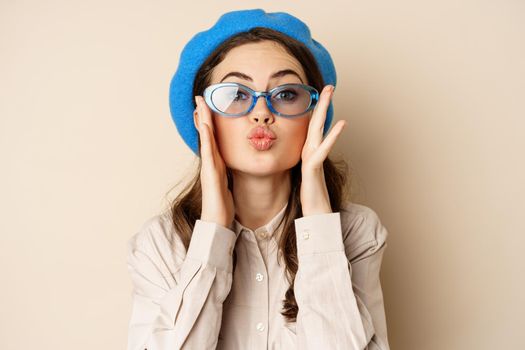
x,y
314,194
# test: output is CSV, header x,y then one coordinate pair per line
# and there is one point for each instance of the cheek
x,y
297,145
298,132
293,141
228,135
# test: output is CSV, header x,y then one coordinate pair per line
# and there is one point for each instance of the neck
x,y
259,198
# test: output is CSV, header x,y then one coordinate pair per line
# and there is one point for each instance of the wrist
x,y
320,209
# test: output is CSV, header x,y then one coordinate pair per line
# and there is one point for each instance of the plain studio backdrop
x,y
433,93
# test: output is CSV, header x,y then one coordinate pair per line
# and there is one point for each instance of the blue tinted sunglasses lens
x,y
231,99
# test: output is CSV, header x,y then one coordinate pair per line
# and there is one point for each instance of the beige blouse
x,y
193,300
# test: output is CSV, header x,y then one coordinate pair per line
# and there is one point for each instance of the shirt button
x,y
306,234
259,277
262,234
260,327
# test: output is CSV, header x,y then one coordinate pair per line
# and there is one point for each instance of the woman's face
x,y
258,62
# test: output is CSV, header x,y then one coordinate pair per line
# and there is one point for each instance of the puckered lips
x,y
261,138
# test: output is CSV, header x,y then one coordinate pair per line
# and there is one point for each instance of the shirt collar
x,y
269,227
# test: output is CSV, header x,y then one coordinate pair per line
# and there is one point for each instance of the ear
x,y
196,119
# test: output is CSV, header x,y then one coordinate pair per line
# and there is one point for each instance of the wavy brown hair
x,y
186,207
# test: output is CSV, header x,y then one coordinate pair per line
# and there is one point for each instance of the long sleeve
x,y
178,296
337,285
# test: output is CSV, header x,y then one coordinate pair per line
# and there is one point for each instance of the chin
x,y
256,167
261,163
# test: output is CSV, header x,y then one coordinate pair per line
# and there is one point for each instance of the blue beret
x,y
202,44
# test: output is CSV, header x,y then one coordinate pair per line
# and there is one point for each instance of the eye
x,y
240,95
286,95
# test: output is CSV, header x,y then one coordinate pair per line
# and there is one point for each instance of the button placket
x,y
261,286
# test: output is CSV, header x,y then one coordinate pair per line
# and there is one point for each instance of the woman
x,y
261,250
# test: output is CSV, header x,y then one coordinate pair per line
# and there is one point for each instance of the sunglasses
x,y
235,100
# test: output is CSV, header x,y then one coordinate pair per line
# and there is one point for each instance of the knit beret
x,y
202,44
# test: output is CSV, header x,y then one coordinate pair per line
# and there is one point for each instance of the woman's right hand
x,y
217,199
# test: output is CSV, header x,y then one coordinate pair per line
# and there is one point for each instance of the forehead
x,y
258,60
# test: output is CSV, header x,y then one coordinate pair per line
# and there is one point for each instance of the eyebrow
x,y
278,74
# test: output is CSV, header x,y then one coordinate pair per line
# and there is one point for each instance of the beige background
x,y
434,94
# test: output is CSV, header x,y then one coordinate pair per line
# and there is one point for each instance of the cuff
x,y
319,233
212,244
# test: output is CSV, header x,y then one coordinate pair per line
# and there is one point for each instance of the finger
x,y
206,113
204,131
316,126
206,150
331,138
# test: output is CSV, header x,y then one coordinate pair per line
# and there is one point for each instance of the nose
x,y
261,113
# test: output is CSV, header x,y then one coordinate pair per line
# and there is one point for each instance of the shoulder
x,y
155,229
362,230
156,242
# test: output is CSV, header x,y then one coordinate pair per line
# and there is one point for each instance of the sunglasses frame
x,y
314,98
